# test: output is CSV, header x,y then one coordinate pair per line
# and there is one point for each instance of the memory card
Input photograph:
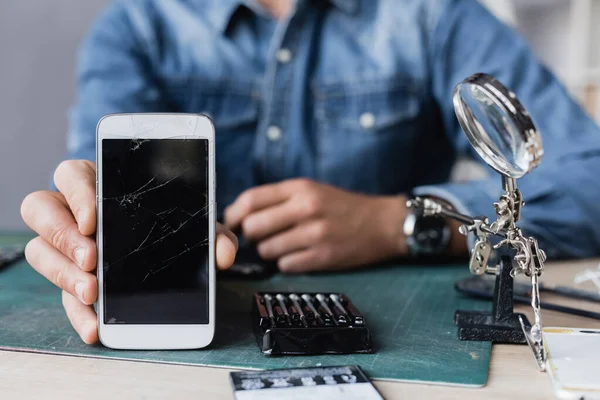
x,y
343,382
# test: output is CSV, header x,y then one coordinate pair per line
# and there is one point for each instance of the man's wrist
x,y
457,242
431,235
458,245
393,213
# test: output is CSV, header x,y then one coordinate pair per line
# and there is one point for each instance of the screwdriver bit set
x,y
309,323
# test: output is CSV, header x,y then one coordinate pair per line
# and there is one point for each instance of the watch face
x,y
430,235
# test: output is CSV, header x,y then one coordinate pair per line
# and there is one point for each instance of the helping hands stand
x,y
503,134
502,325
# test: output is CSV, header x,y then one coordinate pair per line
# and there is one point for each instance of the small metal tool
x,y
279,317
294,316
281,299
323,301
268,299
308,300
357,318
296,302
343,317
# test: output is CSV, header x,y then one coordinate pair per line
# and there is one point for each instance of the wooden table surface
x,y
513,371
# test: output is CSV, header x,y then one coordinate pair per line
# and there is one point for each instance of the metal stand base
x,y
502,324
475,325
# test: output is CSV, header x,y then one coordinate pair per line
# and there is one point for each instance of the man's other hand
x,y
308,226
65,250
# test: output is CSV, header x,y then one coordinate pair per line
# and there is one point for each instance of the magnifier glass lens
x,y
492,132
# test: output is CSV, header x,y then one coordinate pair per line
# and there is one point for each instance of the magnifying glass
x,y
501,131
497,126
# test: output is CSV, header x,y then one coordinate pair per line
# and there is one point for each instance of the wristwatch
x,y
426,235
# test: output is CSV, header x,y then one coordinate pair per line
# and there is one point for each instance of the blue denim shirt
x,y
356,93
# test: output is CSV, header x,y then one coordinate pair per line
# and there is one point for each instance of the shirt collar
x,y
222,11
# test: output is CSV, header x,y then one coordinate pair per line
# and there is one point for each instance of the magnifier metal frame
x,y
513,109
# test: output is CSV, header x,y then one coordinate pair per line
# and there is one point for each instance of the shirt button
x,y
367,120
284,56
274,133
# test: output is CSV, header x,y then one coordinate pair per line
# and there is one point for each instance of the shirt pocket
x,y
366,132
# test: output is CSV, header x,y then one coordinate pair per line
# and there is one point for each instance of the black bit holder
x,y
308,323
502,324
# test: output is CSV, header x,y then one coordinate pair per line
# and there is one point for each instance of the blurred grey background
x,y
39,39
38,43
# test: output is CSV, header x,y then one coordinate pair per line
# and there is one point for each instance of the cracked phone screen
x,y
155,231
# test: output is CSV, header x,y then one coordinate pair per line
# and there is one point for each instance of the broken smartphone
x,y
156,230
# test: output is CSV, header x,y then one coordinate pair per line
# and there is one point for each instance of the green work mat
x,y
410,312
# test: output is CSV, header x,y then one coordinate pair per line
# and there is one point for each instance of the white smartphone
x,y
156,230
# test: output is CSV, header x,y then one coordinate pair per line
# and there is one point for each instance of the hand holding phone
x,y
65,252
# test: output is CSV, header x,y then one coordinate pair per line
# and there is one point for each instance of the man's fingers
x,y
47,213
61,271
269,221
300,237
226,247
253,200
82,317
76,180
312,259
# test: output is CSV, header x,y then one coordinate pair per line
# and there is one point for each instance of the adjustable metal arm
x,y
430,207
478,264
